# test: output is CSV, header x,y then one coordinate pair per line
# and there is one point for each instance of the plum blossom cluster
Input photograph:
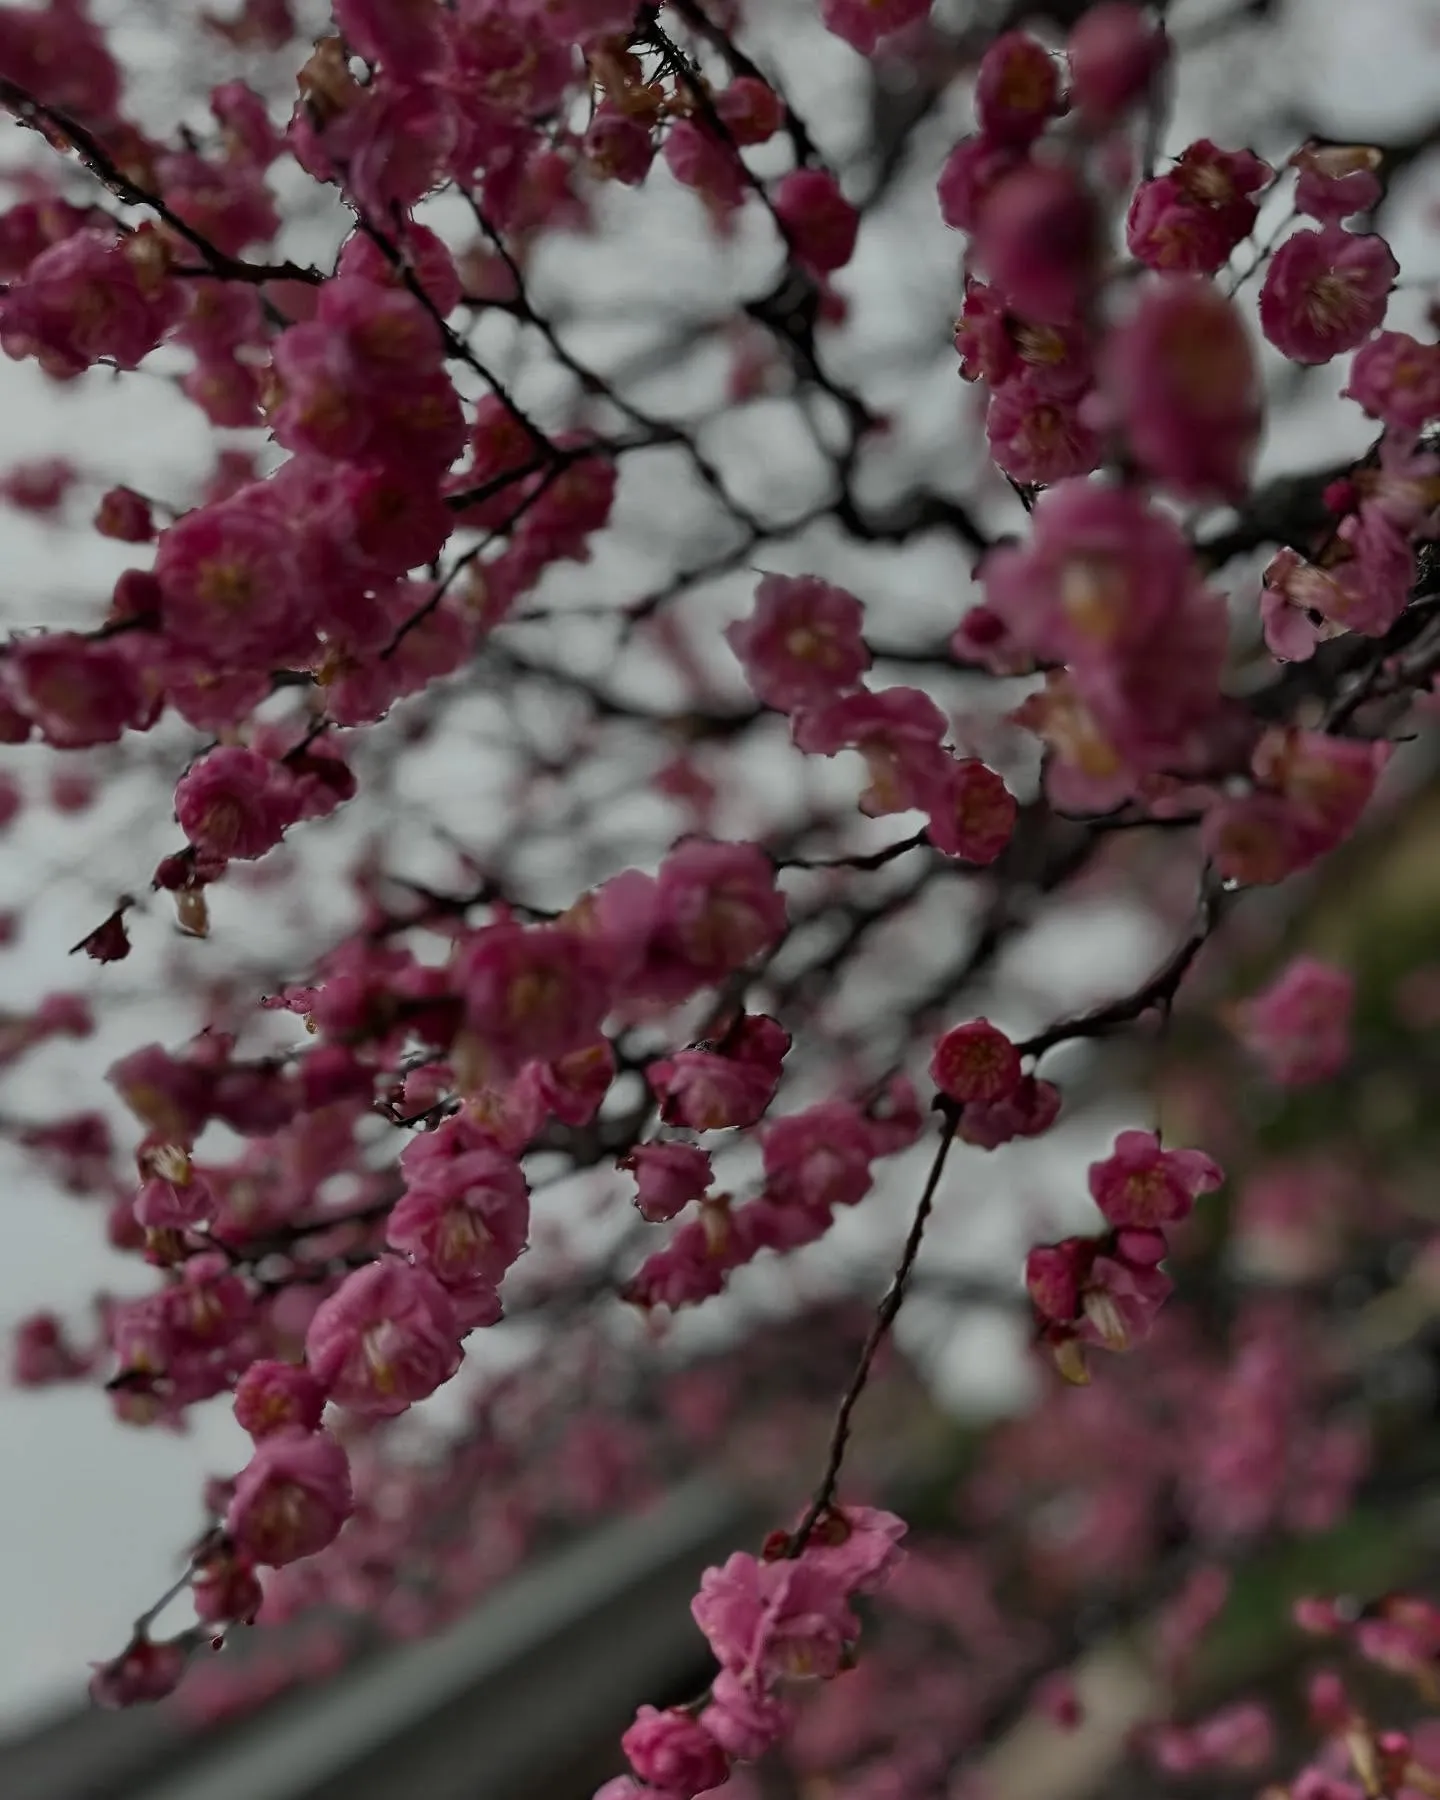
x,y
770,1621
1106,1290
376,539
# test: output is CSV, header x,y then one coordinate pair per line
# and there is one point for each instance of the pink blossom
x,y
278,1396
465,1212
972,812
972,171
1141,1184
385,1339
1115,50
224,1588
88,299
856,1547
668,1176
1120,1303
719,905
406,36
802,644
1038,241
124,515
751,110
41,1354
1336,181
1311,789
235,803
898,731
770,1620
698,158
1325,292
975,1062
1182,378
744,1722
75,691
1397,380
229,583
291,1498
531,992
819,222
1299,1026
1189,221
714,1088
1098,575
818,1159
1029,1111
1036,437
425,256
674,1752
865,23
1017,89
617,147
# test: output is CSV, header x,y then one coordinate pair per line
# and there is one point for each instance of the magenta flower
x,y
972,171
291,1498
1181,377
1029,1111
1037,437
865,23
1336,181
668,1176
1299,1027
234,803
972,812
1397,380
975,1062
465,1212
385,1339
278,1396
743,1721
769,1620
1141,1184
718,906
675,1753
898,731
531,993
1038,241
1017,89
818,1159
1190,220
1325,292
802,644
143,1673
1116,50
819,221
75,692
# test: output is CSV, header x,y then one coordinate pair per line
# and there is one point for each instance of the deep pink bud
x,y
1115,51
820,222
673,1752
975,1062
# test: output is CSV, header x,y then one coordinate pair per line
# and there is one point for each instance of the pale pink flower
x,y
674,1752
